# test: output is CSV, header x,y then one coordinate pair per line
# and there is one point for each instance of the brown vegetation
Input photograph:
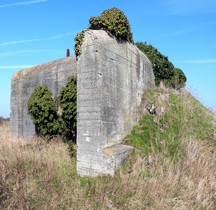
x,y
172,167
39,175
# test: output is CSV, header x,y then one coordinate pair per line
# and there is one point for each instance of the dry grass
x,y
173,169
30,171
189,184
39,175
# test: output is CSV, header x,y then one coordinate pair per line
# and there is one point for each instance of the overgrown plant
x,y
114,21
67,100
164,71
42,109
78,43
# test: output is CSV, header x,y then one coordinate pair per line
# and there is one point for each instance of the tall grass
x,y
39,175
183,117
33,173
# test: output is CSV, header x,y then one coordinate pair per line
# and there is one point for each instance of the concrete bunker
x,y
111,79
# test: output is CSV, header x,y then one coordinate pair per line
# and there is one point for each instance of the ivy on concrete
x,y
68,102
54,117
78,43
42,109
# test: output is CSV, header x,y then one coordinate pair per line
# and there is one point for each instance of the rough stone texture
x,y
53,74
112,78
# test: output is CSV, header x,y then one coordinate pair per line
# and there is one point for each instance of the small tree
x,y
42,109
68,102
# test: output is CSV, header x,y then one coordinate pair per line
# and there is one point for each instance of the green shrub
x,y
163,69
67,100
114,21
179,79
42,109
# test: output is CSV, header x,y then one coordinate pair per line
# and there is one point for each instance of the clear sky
x,y
38,31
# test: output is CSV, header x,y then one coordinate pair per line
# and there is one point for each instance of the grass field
x,y
173,165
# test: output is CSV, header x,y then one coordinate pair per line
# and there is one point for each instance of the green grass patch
x,y
184,117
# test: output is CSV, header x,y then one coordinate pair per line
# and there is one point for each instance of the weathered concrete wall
x,y
53,74
112,78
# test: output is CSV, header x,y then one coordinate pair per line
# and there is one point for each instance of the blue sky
x,y
37,31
